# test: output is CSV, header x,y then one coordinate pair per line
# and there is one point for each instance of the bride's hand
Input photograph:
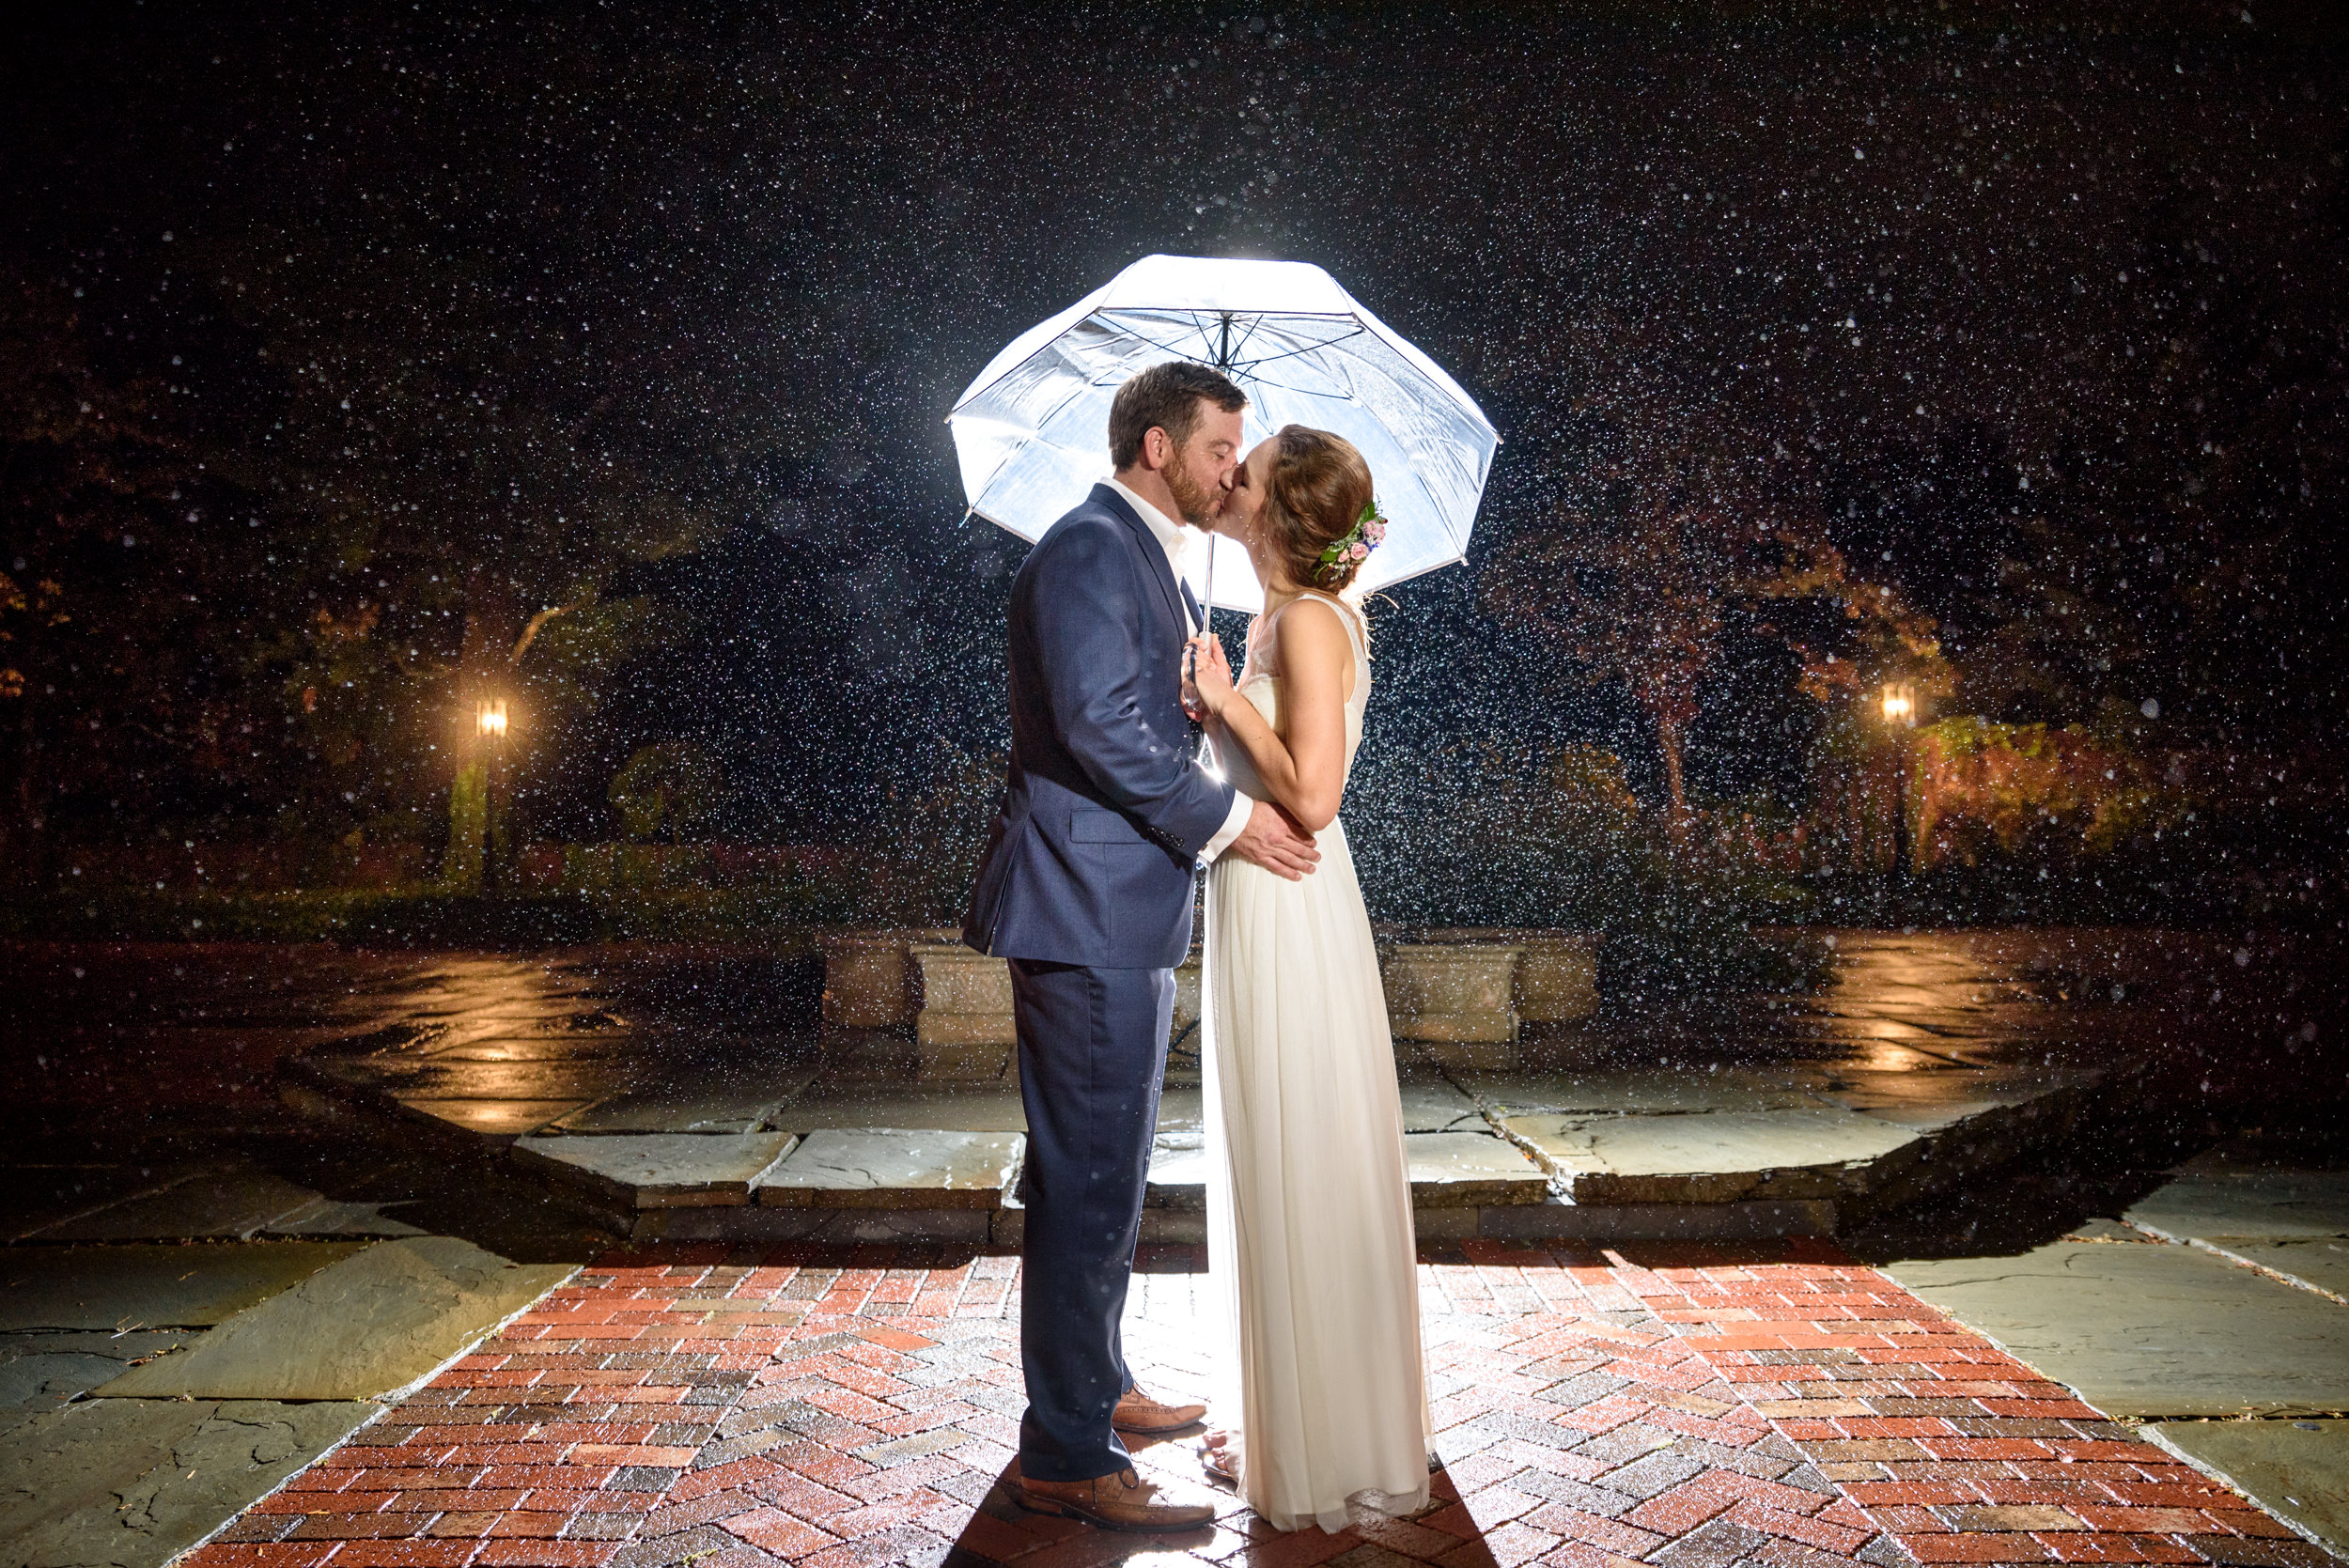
x,y
1207,679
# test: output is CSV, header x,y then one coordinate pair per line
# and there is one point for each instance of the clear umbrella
x,y
1031,432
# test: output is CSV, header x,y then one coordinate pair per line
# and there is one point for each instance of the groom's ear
x,y
1157,447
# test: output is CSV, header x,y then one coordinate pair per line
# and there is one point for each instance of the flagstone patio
x,y
1923,1060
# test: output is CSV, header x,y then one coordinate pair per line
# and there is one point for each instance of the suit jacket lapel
x,y
1161,568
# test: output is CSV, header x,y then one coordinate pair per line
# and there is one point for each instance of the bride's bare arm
x,y
1306,767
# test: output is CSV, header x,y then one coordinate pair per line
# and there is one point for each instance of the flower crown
x,y
1368,532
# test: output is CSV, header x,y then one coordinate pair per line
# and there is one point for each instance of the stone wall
x,y
1460,998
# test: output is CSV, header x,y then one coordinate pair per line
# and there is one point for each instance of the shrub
x,y
671,790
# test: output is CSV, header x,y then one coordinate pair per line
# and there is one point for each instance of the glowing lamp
x,y
1900,703
491,718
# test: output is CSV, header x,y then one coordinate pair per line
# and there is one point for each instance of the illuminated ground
x,y
2151,1252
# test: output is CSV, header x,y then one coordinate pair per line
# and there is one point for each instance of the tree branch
x,y
530,631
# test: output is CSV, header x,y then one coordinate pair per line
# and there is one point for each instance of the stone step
x,y
660,1169
894,1168
1619,1152
124,1288
359,1328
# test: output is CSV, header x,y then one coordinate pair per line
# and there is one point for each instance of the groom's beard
x,y
1195,499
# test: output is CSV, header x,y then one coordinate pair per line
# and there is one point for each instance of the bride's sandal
x,y
1218,1462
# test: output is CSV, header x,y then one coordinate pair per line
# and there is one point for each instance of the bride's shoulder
x,y
1315,595
1313,633
1349,617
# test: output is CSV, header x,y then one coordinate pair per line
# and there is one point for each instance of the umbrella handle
x,y
1207,628
1206,601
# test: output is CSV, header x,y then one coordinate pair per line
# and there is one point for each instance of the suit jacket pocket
x,y
1105,827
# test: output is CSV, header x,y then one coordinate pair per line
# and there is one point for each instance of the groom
x,y
1086,888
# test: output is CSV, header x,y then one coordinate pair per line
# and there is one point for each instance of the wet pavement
x,y
1670,1405
191,1260
691,1095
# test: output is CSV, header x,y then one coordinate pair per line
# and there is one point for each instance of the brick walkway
x,y
1693,1408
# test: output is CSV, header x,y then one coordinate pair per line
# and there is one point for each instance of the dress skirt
x,y
1310,1240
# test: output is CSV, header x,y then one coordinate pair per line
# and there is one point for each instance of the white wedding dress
x,y
1309,1199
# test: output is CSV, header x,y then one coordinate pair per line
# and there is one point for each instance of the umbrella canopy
x,y
1032,432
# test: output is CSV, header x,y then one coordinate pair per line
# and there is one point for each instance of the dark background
x,y
333,336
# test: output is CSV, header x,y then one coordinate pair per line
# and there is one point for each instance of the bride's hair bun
x,y
1318,493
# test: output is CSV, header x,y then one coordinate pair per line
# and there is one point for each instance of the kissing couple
x,y
1086,888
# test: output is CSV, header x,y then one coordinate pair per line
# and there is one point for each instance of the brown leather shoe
x,y
1138,1413
1121,1500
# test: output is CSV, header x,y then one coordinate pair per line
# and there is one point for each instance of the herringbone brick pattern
x,y
1680,1408
1947,1443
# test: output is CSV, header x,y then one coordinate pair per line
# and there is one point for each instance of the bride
x,y
1309,1231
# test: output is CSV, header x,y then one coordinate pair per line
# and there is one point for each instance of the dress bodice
x,y
1260,683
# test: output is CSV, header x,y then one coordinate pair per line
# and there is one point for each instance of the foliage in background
x,y
671,790
925,850
134,575
783,916
383,336
488,420
1976,791
1685,526
1557,841
1983,788
1854,796
1635,593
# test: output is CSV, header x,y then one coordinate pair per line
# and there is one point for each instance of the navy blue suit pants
x,y
1092,1056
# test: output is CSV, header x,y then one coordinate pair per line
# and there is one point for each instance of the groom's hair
x,y
1167,397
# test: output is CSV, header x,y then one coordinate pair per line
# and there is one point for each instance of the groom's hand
x,y
1273,840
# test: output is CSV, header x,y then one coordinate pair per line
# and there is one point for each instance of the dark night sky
x,y
1603,220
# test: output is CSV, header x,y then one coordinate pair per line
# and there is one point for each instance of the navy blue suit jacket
x,y
1090,860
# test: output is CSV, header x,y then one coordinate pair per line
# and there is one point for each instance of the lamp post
x,y
490,720
1900,716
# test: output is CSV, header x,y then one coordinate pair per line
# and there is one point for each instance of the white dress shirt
x,y
1171,538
